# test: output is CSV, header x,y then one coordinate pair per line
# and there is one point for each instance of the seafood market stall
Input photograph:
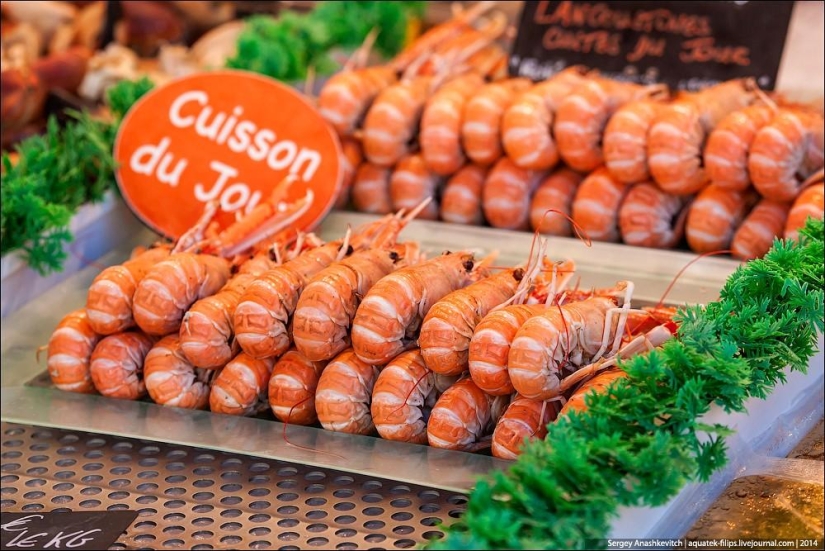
x,y
465,289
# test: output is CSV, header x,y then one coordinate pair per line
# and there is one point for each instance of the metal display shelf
x,y
192,498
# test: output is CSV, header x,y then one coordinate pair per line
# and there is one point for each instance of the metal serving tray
x,y
26,403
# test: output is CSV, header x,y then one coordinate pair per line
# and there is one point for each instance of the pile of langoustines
x,y
728,167
362,334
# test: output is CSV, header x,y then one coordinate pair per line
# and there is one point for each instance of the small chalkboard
x,y
687,45
67,530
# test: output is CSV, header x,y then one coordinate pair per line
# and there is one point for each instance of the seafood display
x,y
369,334
628,163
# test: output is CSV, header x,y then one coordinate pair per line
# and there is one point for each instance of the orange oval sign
x,y
226,136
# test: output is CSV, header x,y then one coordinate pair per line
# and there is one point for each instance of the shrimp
x,y
347,96
173,285
241,388
351,158
729,144
565,338
464,417
625,140
714,216
649,217
391,122
371,189
582,116
449,325
555,193
524,419
439,34
344,394
461,200
70,351
599,383
506,195
387,321
411,183
404,394
470,39
171,380
292,388
596,206
328,304
481,126
809,203
440,134
206,330
490,346
757,232
110,297
678,134
527,124
785,152
266,306
117,365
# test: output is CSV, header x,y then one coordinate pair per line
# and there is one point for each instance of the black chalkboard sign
x,y
67,530
688,45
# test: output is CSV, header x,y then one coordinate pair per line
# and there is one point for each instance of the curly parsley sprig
x,y
643,438
55,174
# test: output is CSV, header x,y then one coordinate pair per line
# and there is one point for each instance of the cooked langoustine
x,y
110,297
447,328
344,394
70,351
582,116
464,417
649,217
206,330
760,227
678,134
524,419
527,124
809,203
172,380
292,387
481,124
625,140
728,146
552,203
714,216
328,303
347,96
264,309
393,118
388,319
404,394
371,189
490,346
461,199
165,294
440,134
351,158
491,340
566,338
117,365
785,152
411,183
506,195
596,205
599,383
242,386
